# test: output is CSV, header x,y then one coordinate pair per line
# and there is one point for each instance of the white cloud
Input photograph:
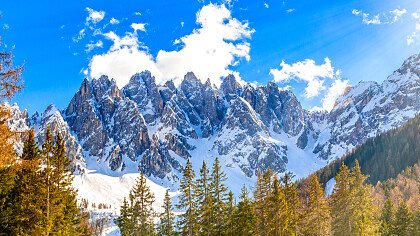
x,y
397,14
79,36
182,24
336,89
307,71
366,18
416,15
209,51
94,16
6,26
129,40
219,42
114,21
138,26
415,36
121,64
389,17
266,5
90,46
290,10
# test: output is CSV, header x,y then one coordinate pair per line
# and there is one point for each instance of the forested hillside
x,y
384,156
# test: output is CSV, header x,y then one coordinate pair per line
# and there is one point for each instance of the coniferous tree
x,y
65,210
137,215
25,199
403,221
278,215
204,202
316,220
187,223
362,210
229,216
124,222
141,211
387,218
261,197
341,218
218,191
294,203
245,215
47,153
167,218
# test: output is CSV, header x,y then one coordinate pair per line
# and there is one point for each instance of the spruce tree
x,y
316,219
187,224
167,218
262,195
218,191
278,214
204,202
403,220
47,153
229,216
387,218
124,222
67,215
341,218
294,203
362,210
141,210
25,199
244,218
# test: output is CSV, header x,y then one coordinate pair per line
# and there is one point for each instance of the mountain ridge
x,y
155,128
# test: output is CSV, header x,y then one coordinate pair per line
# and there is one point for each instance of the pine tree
x,y
218,191
403,220
278,214
362,210
63,206
204,202
341,218
261,196
229,216
124,222
187,224
316,219
47,153
294,203
24,198
387,218
245,215
141,211
167,218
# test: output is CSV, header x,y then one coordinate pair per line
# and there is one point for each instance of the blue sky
x,y
324,45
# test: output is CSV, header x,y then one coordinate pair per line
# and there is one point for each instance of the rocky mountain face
x,y
156,128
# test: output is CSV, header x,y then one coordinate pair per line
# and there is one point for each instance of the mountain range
x,y
155,128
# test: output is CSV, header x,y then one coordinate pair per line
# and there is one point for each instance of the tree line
x,y
277,207
384,156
